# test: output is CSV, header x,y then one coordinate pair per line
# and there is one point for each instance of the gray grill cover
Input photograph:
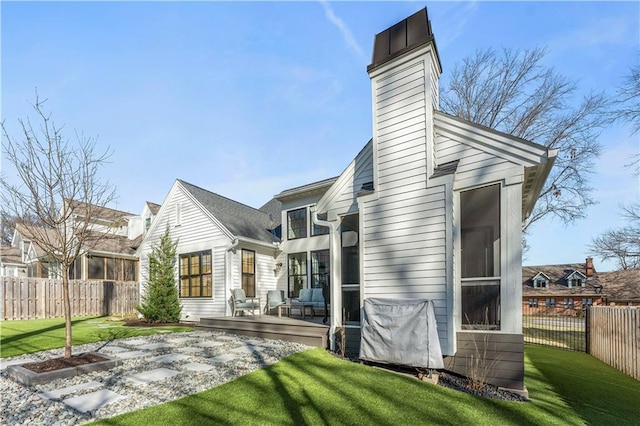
x,y
400,332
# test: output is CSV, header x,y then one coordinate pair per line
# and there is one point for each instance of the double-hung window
x,y
319,268
195,274
249,272
480,257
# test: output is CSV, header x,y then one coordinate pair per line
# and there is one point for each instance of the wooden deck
x,y
310,331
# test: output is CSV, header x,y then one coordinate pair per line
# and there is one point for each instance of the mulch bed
x,y
61,363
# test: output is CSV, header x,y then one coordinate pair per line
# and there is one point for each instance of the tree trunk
x,y
67,312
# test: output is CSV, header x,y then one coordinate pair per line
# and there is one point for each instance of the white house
x,y
221,245
431,208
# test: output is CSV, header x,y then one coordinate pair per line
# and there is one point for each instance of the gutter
x,y
332,229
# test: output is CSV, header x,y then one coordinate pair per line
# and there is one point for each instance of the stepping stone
x,y
223,358
169,358
5,364
147,377
226,338
92,401
179,340
209,344
190,350
203,334
151,346
59,393
114,349
136,342
131,354
246,349
197,366
255,342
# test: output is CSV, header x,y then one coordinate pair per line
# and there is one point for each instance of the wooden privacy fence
x,y
614,337
29,298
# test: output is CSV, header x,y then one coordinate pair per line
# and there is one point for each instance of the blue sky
x,y
248,99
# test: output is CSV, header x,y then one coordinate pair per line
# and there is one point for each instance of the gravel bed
x,y
21,405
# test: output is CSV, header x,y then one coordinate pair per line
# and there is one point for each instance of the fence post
x,y
587,330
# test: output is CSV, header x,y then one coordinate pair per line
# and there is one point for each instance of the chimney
x,y
589,270
404,71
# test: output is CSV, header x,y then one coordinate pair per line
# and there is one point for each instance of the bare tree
x,y
622,244
513,92
56,190
627,102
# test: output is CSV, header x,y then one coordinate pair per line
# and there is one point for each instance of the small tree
x,y
160,301
55,193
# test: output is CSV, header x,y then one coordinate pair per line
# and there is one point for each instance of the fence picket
x,y
27,298
615,337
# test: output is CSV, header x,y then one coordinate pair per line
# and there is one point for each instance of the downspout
x,y
332,229
227,286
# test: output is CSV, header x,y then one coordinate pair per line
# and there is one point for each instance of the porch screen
x,y
480,257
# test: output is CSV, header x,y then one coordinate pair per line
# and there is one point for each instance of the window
x,y
320,268
297,223
96,268
587,302
480,257
249,272
575,282
178,214
317,229
567,303
540,283
550,302
297,273
129,270
533,303
350,243
195,274
147,223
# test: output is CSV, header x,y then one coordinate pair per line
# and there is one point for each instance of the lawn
x,y
28,336
313,387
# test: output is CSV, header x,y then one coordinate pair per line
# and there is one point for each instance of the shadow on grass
x,y
314,387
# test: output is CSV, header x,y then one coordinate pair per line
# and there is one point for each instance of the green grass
x,y
313,387
28,336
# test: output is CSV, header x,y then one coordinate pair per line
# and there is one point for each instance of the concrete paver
x,y
92,401
210,344
173,357
147,377
197,366
223,358
151,346
130,354
59,393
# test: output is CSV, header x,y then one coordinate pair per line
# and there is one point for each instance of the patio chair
x,y
275,298
242,303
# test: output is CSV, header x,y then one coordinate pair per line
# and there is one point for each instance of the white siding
x,y
340,198
405,251
475,166
196,232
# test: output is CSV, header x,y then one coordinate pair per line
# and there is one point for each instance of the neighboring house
x,y
108,253
568,289
11,264
221,245
431,208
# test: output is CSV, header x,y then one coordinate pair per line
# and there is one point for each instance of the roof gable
x,y
239,219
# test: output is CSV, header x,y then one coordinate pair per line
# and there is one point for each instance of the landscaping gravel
x,y
21,405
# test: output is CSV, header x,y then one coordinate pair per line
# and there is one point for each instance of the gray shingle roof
x,y
240,219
